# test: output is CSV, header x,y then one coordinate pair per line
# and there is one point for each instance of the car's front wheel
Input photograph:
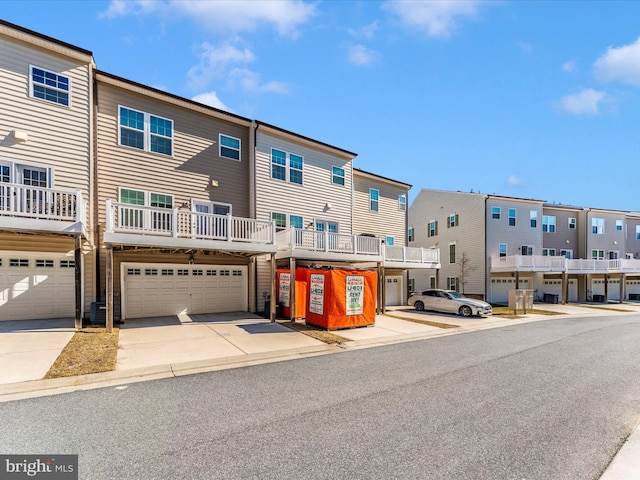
x,y
419,306
465,311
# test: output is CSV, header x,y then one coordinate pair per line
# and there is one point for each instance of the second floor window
x,y
495,213
283,162
548,252
390,241
49,86
452,220
145,131
432,229
503,249
512,217
229,147
374,198
410,234
526,250
597,226
548,223
452,253
597,254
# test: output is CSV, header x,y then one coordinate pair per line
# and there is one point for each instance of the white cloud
x,y
514,181
215,62
438,18
250,82
362,56
620,63
585,102
224,16
570,66
368,31
211,99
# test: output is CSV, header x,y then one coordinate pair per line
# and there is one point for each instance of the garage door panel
x,y
164,289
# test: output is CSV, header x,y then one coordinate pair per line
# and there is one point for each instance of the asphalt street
x,y
544,400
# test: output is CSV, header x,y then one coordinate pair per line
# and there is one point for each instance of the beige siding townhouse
x,y
46,173
175,204
381,210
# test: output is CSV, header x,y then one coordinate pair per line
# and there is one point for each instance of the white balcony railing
x,y
41,203
325,241
561,264
166,222
412,255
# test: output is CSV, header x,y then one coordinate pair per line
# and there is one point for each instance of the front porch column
x,y
78,274
292,289
272,295
109,286
517,280
623,286
606,288
565,288
380,306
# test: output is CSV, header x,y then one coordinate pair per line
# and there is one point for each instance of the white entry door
x,y
393,291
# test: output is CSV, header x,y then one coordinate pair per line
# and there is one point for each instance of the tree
x,y
464,262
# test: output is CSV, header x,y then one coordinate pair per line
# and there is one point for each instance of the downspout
x,y
252,200
94,193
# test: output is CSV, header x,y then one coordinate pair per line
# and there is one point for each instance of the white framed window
x,y
571,223
512,217
26,173
138,218
145,131
548,252
452,220
49,86
533,218
374,199
502,249
284,221
286,166
495,213
619,225
411,283
402,203
526,250
567,253
548,223
597,226
637,232
337,175
229,147
452,253
597,254
453,283
410,234
324,225
613,254
390,240
432,228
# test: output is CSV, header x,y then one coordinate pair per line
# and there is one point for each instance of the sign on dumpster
x,y
316,294
285,289
355,295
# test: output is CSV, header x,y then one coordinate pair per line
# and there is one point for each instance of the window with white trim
x,y
619,225
374,198
284,221
390,240
571,223
533,218
526,250
548,252
337,175
411,284
49,86
410,234
453,283
548,223
512,217
502,249
637,232
286,166
495,213
597,254
145,131
567,253
452,253
229,147
138,218
597,226
452,220
432,228
402,203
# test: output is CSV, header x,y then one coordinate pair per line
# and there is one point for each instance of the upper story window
x,y
49,86
495,213
432,229
296,221
145,131
502,249
283,161
597,226
452,253
452,220
567,253
229,147
280,220
533,218
637,232
597,254
619,225
402,203
337,175
410,234
526,250
549,223
389,240
571,224
374,199
512,217
548,252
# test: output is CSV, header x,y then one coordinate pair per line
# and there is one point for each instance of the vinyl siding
x,y
605,241
308,200
564,237
388,220
469,236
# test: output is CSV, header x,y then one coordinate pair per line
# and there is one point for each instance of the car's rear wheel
x,y
465,311
419,306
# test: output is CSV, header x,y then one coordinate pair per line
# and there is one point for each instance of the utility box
x,y
521,300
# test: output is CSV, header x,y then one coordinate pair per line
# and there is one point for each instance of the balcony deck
x,y
137,225
560,264
38,209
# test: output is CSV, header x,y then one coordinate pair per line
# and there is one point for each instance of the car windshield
x,y
456,295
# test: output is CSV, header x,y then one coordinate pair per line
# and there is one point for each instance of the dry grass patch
x,y
597,307
314,332
90,350
424,322
508,312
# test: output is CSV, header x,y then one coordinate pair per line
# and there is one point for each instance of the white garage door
x,y
554,286
613,288
393,291
154,290
500,287
36,285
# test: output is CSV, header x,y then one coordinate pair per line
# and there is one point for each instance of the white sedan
x,y
447,301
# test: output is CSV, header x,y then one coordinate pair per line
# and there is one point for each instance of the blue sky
x,y
532,99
